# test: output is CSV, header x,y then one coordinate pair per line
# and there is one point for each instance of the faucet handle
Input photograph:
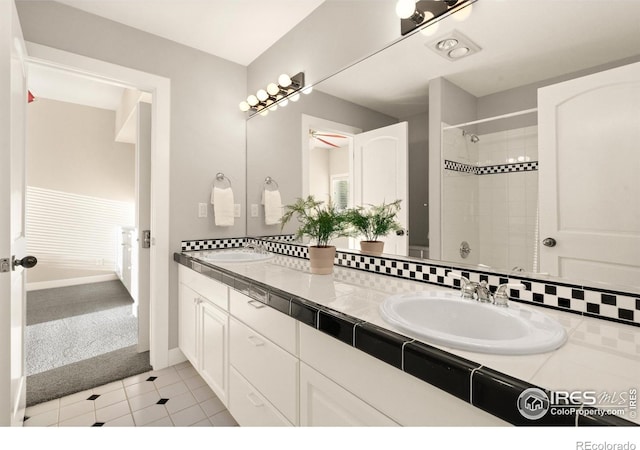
x,y
468,289
501,298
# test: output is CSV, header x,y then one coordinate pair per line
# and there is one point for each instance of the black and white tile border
x,y
623,307
480,386
489,170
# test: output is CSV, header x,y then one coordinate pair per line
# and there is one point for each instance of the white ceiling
x,y
236,30
522,42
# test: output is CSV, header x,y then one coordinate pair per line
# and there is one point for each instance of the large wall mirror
x,y
475,147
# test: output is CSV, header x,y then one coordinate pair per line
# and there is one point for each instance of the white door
x,y
13,103
380,174
589,130
143,222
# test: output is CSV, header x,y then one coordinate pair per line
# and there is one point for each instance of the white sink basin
x,y
445,318
230,256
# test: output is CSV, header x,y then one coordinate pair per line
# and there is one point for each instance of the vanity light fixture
x,y
275,95
423,14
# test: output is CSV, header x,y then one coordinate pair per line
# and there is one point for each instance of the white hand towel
x,y
222,201
272,207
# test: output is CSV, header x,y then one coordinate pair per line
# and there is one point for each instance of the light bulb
x,y
463,14
284,102
295,97
244,106
307,90
252,100
405,8
273,88
262,95
459,52
284,80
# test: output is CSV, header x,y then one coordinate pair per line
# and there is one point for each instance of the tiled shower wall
x,y
490,198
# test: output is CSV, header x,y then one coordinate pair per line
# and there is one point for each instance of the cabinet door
x,y
187,321
326,404
213,357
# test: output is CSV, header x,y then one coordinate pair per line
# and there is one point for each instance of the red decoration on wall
x,y
30,97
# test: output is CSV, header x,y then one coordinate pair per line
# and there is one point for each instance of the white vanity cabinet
x,y
264,364
203,329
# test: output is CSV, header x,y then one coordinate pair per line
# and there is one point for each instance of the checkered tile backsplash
x,y
610,305
488,170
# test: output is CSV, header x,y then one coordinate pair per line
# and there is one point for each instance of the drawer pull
x,y
256,341
256,304
255,401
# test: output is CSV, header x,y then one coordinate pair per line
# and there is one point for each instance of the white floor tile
x,y
43,419
202,423
76,409
74,398
194,382
223,419
203,393
173,389
124,421
84,420
108,387
144,400
189,416
134,390
179,402
182,365
212,406
136,379
187,372
167,379
43,407
113,411
149,414
110,398
164,422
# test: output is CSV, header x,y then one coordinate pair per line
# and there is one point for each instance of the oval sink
x,y
446,319
244,256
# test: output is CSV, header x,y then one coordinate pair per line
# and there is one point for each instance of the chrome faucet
x,y
468,289
501,298
484,293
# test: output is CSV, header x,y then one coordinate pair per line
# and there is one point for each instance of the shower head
x,y
472,137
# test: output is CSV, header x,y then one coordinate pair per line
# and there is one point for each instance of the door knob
x,y
549,242
400,233
27,262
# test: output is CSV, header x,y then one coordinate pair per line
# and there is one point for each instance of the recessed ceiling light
x,y
446,44
459,52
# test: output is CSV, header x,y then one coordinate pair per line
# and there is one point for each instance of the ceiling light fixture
x,y
454,46
275,95
424,14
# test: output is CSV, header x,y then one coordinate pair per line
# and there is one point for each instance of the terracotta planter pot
x,y
372,247
321,259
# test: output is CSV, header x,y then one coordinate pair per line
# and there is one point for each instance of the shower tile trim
x,y
490,170
611,305
471,382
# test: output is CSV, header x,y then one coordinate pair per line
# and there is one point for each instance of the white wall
x,y
207,128
80,189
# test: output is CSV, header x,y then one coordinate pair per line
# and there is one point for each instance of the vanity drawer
x,y
269,368
250,408
267,321
214,291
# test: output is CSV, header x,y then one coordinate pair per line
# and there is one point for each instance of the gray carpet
x,y
79,337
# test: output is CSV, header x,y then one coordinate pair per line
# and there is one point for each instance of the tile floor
x,y
173,397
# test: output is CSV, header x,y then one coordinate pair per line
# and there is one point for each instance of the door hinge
x,y
146,239
5,265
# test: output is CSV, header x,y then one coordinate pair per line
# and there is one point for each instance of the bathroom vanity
x,y
280,346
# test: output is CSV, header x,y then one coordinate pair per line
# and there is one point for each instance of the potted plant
x,y
372,222
322,223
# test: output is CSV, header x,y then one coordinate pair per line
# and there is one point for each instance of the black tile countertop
x,y
345,306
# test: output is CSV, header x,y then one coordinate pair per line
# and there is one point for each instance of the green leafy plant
x,y
321,222
374,221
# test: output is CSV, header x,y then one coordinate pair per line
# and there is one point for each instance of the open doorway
x,y
85,154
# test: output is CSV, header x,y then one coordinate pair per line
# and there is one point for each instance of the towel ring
x,y
221,178
270,182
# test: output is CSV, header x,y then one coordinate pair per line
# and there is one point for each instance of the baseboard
x,y
36,286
